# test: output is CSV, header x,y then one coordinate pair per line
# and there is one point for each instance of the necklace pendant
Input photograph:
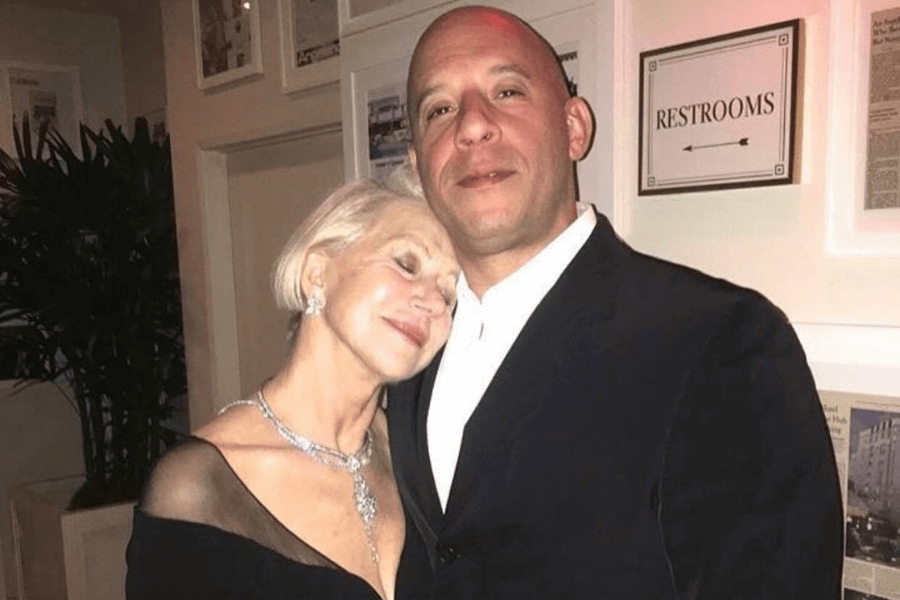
x,y
366,505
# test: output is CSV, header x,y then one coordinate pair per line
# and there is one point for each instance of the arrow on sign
x,y
740,142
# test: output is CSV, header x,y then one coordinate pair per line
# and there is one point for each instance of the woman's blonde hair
x,y
344,217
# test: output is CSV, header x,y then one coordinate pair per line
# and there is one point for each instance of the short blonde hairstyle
x,y
345,216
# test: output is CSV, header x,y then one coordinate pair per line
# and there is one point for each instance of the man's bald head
x,y
495,137
502,22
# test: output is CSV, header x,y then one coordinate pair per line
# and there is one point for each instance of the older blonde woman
x,y
290,493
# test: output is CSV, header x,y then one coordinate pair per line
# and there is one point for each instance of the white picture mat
x,y
295,78
62,81
350,24
851,230
363,83
253,67
388,129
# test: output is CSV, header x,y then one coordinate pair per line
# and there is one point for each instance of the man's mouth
x,y
478,180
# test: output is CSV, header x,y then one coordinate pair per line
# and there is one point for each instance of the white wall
x,y
90,42
143,63
770,238
206,127
266,205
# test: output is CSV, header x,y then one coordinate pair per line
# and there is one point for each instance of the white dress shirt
x,y
482,333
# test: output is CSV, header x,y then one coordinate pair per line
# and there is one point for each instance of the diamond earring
x,y
315,303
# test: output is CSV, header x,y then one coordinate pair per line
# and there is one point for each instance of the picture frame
x,y
47,93
720,112
374,87
310,43
226,41
359,15
853,229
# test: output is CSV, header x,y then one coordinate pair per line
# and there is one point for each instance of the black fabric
x,y
199,533
652,434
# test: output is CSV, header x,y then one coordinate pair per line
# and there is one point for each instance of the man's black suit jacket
x,y
652,433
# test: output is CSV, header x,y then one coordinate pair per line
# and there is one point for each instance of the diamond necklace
x,y
366,505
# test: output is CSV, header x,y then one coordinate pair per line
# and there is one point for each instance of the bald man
x,y
600,424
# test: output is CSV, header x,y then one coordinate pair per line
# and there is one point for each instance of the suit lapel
x,y
577,306
408,414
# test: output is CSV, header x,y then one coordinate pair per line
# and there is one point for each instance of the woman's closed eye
x,y
409,263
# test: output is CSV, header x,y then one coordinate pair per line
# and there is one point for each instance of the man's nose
x,y
476,121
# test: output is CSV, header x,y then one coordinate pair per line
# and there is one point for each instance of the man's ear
x,y
411,154
580,125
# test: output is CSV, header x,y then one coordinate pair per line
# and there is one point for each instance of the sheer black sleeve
x,y
200,533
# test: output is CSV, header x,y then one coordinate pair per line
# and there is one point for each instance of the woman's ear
x,y
315,265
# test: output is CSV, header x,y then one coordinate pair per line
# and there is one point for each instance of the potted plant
x,y
89,269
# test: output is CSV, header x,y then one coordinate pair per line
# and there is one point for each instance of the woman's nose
x,y
430,298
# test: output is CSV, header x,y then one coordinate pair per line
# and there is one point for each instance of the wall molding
x,y
862,359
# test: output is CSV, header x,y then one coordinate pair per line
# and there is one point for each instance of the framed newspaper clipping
x,y
719,112
310,44
863,174
226,41
46,93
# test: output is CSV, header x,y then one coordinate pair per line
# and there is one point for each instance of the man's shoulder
x,y
644,283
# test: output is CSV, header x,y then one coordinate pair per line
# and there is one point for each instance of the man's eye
x,y
437,112
509,93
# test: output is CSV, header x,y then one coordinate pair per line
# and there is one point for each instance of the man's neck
x,y
484,273
484,270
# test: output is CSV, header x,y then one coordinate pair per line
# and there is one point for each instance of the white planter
x,y
62,554
2,575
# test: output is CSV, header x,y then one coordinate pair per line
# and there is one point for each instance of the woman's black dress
x,y
199,533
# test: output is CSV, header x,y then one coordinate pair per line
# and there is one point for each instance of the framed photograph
x,y
873,501
310,44
46,93
863,173
719,113
226,41
381,132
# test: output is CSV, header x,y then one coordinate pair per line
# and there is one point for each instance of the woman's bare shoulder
x,y
181,481
187,478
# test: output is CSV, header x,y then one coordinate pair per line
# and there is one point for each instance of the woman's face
x,y
390,295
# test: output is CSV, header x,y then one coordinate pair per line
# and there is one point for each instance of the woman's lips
x,y
478,180
413,333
